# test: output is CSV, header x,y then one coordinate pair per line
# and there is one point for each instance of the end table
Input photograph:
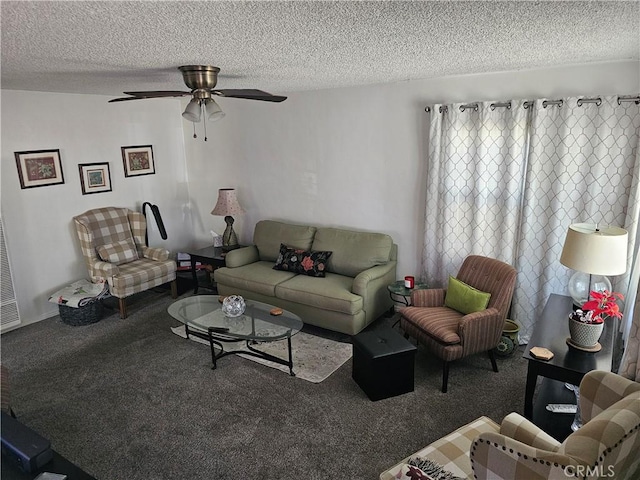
x,y
214,256
401,294
568,365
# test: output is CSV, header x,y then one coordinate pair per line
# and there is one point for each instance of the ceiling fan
x,y
202,80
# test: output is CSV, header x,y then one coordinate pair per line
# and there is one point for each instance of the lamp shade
x,y
227,203
214,112
193,111
596,251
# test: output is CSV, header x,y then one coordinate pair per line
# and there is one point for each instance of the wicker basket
x,y
90,313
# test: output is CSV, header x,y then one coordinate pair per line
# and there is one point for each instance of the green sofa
x,y
353,292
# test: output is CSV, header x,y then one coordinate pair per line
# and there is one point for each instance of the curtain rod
x,y
629,98
581,101
546,103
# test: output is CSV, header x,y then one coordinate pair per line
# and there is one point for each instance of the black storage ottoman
x,y
383,363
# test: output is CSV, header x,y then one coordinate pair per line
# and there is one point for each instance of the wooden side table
x,y
213,256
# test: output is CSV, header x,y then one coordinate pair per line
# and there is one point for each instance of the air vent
x,y
9,316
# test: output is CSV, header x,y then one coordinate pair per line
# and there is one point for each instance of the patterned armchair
x,y
452,335
606,446
113,244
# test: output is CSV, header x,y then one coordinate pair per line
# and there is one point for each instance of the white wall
x,y
354,157
41,240
350,157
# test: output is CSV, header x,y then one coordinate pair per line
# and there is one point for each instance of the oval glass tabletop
x,y
256,323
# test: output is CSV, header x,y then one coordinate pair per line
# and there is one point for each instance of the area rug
x,y
314,357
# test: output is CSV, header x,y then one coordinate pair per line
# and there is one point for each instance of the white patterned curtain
x,y
630,363
579,165
474,185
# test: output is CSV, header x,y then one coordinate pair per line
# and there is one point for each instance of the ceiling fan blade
x,y
158,93
151,94
124,99
249,93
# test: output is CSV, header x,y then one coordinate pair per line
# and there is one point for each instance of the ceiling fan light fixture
x,y
214,112
193,111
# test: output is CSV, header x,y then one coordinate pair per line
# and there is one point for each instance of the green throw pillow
x,y
464,298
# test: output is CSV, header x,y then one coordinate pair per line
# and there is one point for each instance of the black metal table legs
x,y
216,340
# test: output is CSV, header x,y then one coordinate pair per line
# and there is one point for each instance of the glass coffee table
x,y
203,318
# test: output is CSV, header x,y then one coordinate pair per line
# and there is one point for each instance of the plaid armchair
x,y
113,244
606,446
451,335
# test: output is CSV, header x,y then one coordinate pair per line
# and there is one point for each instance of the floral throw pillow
x,y
410,472
430,469
305,262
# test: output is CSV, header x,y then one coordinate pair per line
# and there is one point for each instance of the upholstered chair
x,y
606,446
450,334
115,251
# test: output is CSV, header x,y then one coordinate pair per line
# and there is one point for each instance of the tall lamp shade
x,y
227,205
593,252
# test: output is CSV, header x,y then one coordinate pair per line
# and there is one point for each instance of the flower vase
x,y
585,336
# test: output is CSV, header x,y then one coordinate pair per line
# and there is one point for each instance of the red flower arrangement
x,y
603,305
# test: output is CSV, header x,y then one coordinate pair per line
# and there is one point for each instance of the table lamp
x,y
228,205
593,252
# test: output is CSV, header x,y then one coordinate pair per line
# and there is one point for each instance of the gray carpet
x,y
127,399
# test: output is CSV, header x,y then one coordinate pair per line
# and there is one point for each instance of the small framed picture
x,y
39,168
95,177
138,160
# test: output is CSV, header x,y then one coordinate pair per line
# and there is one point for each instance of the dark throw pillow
x,y
305,262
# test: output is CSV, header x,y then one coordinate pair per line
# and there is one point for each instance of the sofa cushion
x,y
269,234
305,262
332,292
258,277
140,275
440,323
353,251
123,251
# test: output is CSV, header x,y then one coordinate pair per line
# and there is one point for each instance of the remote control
x,y
562,408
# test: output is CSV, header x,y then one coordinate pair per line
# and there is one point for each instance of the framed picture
x,y
138,160
95,177
39,168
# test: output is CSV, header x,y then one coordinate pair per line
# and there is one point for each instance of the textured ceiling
x,y
108,47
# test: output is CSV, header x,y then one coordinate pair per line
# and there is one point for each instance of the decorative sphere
x,y
233,306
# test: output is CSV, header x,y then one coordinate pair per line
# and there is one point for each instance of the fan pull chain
x,y
205,128
194,130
